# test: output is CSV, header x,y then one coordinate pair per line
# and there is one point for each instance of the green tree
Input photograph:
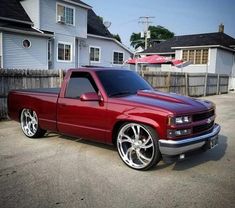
x,y
158,33
117,37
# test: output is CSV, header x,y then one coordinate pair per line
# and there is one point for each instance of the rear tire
x,y
137,146
30,124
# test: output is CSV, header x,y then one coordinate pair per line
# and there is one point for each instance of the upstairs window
x,y
65,14
94,54
64,52
197,56
118,57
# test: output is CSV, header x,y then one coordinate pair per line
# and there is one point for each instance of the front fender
x,y
138,119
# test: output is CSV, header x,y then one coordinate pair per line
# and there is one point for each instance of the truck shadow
x,y
199,157
88,142
192,159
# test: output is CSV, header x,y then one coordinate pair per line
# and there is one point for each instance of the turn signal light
x,y
171,133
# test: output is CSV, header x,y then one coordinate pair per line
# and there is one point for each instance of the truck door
x,y
86,119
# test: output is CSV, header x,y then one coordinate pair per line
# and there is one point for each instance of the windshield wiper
x,y
122,93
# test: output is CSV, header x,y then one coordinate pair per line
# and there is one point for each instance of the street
x,y
60,171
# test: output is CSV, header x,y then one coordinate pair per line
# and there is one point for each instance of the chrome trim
x,y
175,147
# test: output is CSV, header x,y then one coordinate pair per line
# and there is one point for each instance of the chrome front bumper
x,y
177,147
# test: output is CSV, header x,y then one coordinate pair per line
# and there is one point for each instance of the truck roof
x,y
96,68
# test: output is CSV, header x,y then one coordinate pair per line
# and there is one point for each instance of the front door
x,y
84,119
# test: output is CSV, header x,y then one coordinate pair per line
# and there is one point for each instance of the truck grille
x,y
202,116
204,127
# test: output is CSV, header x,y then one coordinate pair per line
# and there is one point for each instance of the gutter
x,y
112,39
15,20
163,53
25,32
205,46
78,4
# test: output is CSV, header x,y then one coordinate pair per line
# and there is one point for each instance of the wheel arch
x,y
136,119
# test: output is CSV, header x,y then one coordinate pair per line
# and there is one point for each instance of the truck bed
x,y
42,100
42,90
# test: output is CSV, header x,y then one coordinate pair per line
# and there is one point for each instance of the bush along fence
x,y
190,84
182,83
23,79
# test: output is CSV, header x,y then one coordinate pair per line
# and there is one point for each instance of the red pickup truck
x,y
117,106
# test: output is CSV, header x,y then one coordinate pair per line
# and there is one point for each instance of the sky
x,y
179,16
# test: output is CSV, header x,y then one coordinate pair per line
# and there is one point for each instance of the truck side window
x,y
79,83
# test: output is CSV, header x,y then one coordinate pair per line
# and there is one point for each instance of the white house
x,y
208,53
55,34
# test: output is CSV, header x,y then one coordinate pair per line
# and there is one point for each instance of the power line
x,y
127,22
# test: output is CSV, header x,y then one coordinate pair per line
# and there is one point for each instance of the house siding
x,y
48,19
43,13
33,10
107,48
224,62
219,61
200,68
16,56
59,38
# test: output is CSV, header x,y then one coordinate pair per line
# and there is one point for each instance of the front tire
x,y
30,124
137,146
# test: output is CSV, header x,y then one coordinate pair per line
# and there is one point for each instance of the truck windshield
x,y
122,82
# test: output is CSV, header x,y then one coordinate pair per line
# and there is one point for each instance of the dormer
x,y
68,17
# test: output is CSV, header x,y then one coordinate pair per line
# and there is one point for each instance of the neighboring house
x,y
55,34
210,52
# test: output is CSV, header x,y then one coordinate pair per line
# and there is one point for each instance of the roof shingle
x,y
95,25
12,9
80,2
206,39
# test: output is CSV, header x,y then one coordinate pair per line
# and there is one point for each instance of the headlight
x,y
171,133
179,120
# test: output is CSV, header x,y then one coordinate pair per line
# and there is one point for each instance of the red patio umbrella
x,y
154,59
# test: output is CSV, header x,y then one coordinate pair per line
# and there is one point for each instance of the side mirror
x,y
90,96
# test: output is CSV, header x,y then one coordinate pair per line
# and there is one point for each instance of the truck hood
x,y
175,103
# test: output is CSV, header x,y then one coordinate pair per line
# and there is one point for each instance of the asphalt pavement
x,y
60,171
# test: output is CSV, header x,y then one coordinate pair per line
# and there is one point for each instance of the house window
x,y
65,14
26,43
204,56
64,52
95,54
118,57
197,56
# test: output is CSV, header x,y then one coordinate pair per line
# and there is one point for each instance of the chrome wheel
x,y
136,146
29,122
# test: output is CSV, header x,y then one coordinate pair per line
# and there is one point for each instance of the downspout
x,y
1,51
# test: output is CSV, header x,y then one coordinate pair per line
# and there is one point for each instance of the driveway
x,y
60,171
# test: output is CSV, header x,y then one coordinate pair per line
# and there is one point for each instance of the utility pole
x,y
145,20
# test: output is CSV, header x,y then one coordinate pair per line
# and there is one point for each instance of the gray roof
x,y
80,2
95,25
206,39
12,9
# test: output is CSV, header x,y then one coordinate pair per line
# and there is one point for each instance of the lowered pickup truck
x,y
117,106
